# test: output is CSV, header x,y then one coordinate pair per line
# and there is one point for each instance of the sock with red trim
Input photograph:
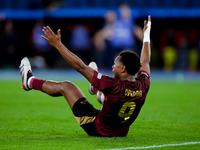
x,y
36,83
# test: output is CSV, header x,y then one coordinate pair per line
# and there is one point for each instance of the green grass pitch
x,y
33,120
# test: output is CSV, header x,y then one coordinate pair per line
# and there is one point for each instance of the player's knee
x,y
66,85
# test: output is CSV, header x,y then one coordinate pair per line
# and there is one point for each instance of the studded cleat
x,y
26,73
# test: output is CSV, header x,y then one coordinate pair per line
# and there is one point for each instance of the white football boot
x,y
26,73
93,65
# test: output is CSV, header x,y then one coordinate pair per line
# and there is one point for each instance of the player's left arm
x,y
146,49
71,58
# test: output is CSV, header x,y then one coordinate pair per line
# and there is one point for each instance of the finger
x,y
44,38
149,18
49,30
145,23
58,32
45,32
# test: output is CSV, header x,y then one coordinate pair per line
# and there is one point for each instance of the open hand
x,y
51,37
145,23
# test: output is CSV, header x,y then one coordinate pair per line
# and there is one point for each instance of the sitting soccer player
x,y
122,95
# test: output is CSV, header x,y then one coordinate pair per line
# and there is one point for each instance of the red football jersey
x,y
122,102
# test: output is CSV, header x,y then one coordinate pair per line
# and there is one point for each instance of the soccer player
x,y
123,94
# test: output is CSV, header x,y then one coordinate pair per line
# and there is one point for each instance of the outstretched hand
x,y
51,37
145,23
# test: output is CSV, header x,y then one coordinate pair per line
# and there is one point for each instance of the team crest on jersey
x,y
99,75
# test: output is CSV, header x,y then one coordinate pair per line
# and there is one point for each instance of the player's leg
x,y
83,111
93,90
67,89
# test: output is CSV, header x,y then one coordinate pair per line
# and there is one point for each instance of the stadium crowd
x,y
174,47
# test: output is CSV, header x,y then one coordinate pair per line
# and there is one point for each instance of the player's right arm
x,y
72,59
146,49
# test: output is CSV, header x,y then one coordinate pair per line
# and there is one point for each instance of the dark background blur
x,y
174,33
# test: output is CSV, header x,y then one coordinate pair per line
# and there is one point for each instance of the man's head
x,y
125,11
127,61
131,61
110,16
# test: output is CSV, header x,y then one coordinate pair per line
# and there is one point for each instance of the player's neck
x,y
129,78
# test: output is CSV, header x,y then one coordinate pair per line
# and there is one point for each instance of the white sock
x,y
101,97
29,80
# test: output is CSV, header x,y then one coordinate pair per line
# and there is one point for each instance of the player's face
x,y
117,67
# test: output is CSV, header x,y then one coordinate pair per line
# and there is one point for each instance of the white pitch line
x,y
156,146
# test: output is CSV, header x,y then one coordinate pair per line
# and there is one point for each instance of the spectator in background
x,y
168,48
8,46
182,43
80,39
101,39
80,42
44,54
179,49
119,33
193,52
198,63
124,30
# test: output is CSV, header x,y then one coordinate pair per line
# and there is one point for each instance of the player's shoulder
x,y
106,79
143,73
143,77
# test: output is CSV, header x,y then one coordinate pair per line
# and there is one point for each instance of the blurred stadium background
x,y
175,33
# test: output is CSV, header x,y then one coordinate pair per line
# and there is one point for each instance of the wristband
x,y
147,33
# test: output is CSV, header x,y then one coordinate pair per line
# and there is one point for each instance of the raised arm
x,y
72,59
146,49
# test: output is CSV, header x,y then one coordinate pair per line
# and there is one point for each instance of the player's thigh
x,y
71,92
85,115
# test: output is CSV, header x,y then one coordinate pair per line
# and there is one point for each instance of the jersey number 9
x,y
126,111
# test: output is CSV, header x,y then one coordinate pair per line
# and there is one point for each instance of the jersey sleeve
x,y
104,83
144,77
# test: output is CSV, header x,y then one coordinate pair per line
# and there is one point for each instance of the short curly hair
x,y
131,61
